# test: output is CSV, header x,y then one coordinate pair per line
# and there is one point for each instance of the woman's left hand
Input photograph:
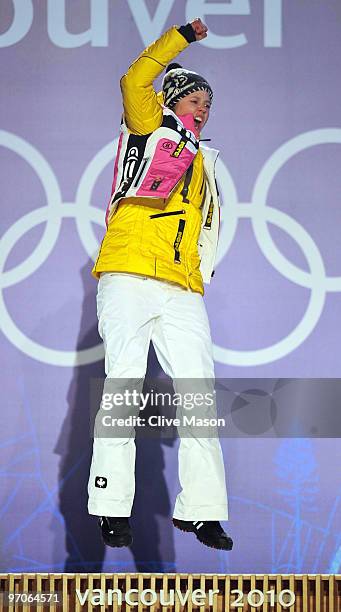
x,y
200,29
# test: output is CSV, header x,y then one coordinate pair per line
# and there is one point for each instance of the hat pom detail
x,y
172,66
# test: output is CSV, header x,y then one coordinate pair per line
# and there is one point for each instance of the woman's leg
x,y
182,341
125,313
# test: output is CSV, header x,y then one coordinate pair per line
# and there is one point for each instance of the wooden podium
x,y
154,592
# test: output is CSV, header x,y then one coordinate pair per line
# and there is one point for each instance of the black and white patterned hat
x,y
178,82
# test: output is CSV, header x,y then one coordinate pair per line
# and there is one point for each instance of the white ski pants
x,y
132,311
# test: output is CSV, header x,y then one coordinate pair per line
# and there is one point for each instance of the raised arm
x,y
142,110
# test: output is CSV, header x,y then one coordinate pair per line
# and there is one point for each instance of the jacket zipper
x,y
188,178
167,214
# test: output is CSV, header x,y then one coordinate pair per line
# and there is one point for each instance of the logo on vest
x,y
179,148
208,222
132,158
129,168
167,145
157,182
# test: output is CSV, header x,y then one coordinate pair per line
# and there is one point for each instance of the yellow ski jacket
x,y
159,237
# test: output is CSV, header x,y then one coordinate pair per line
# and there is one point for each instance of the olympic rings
x,y
259,213
53,214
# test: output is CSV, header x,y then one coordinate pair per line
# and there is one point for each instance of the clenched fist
x,y
200,29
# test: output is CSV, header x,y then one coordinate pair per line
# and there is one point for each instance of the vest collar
x,y
168,111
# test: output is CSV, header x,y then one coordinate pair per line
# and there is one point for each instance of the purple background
x,y
65,102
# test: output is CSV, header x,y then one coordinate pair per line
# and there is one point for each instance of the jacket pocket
x,y
167,214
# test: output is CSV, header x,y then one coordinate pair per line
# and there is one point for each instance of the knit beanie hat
x,y
178,82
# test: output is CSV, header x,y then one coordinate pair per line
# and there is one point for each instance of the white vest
x,y
208,239
152,165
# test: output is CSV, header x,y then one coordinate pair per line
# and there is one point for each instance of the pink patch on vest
x,y
165,170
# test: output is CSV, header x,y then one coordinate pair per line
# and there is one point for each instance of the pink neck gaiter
x,y
189,123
